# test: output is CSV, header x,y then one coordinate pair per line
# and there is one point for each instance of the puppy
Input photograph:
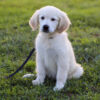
x,y
54,53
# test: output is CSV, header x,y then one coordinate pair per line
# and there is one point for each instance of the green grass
x,y
17,39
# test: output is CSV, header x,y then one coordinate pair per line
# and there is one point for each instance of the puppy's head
x,y
50,19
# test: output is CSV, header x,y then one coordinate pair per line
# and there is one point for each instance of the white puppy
x,y
54,53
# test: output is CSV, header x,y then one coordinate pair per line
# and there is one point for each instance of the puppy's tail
x,y
28,75
79,71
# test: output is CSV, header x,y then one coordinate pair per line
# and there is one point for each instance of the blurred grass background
x,y
17,39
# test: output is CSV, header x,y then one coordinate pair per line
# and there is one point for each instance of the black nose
x,y
46,28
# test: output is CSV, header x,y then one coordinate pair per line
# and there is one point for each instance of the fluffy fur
x,y
54,53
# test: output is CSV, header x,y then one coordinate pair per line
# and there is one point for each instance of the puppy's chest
x,y
50,61
50,54
48,50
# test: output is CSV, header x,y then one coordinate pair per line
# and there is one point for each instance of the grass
x,y
17,39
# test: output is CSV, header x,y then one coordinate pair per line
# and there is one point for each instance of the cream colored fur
x,y
54,53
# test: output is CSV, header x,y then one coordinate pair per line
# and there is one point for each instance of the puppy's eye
x,y
42,17
53,19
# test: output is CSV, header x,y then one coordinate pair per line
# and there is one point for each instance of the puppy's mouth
x,y
45,31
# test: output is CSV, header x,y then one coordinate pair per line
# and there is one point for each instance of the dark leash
x,y
30,54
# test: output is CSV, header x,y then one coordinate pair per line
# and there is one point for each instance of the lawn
x,y
17,40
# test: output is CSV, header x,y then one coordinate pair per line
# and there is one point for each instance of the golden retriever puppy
x,y
54,53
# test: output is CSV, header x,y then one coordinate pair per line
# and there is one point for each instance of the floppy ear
x,y
64,23
34,20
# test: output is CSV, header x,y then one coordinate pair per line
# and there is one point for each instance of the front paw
x,y
37,82
58,87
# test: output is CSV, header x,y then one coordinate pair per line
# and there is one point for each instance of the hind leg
x,y
77,73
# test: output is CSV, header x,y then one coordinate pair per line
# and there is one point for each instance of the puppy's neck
x,y
48,35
